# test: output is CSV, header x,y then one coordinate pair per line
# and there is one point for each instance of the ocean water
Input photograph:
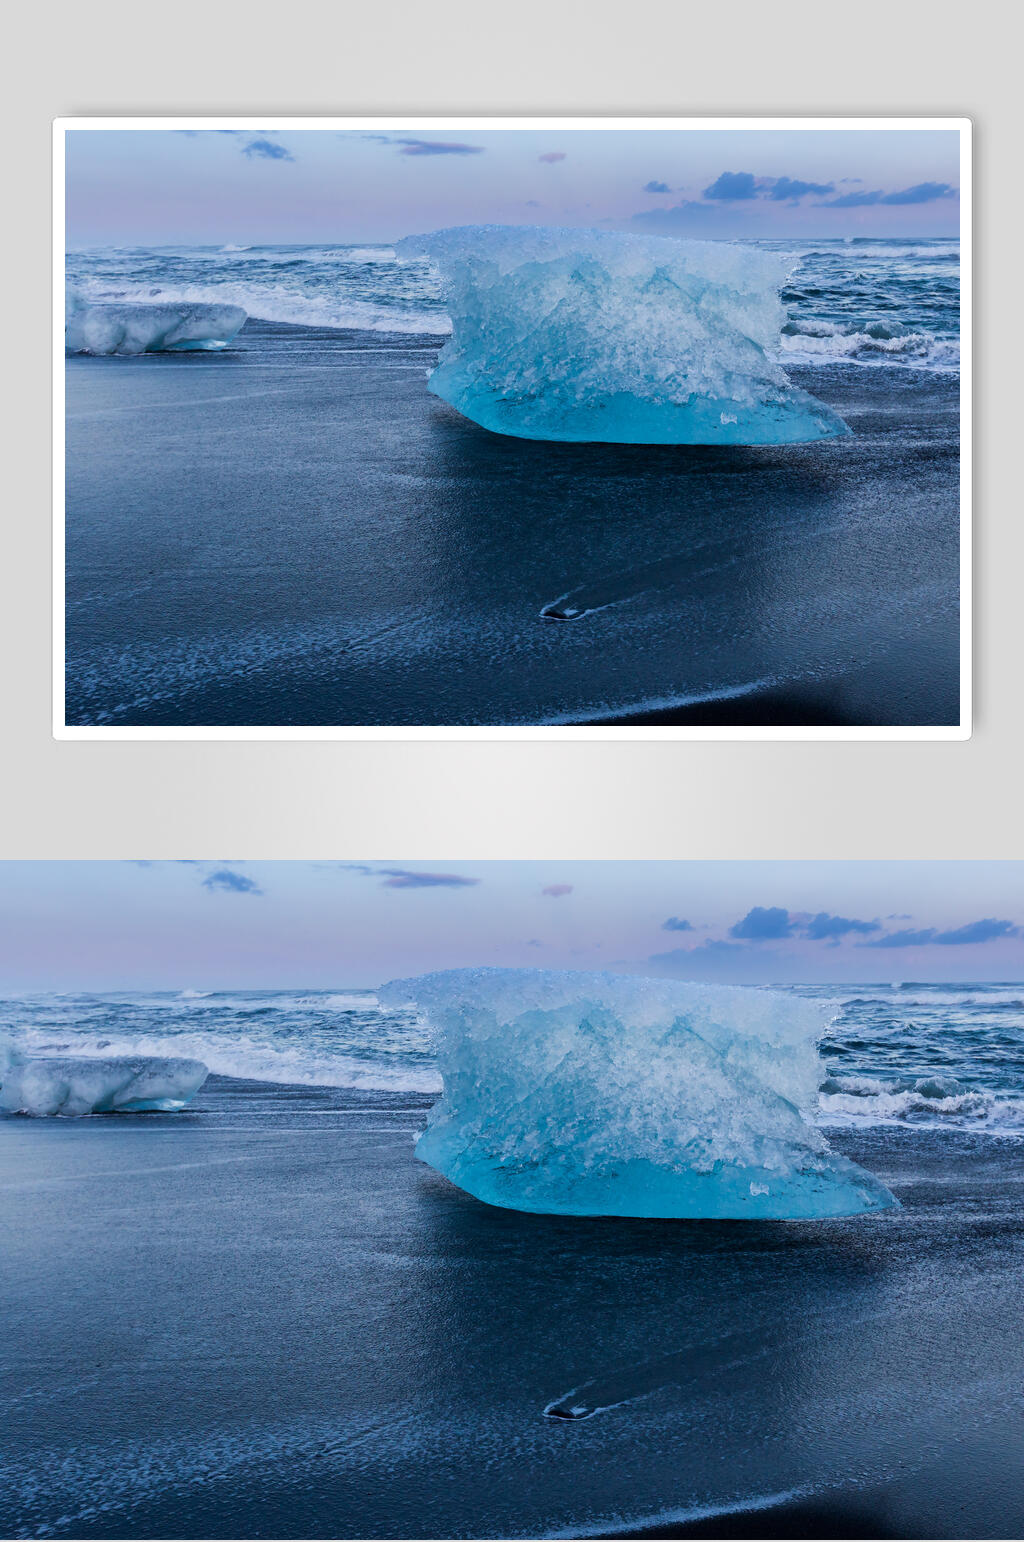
x,y
864,301
934,1056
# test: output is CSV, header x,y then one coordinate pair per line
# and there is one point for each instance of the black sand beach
x,y
263,1317
294,532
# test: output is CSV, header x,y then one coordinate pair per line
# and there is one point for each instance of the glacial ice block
x,y
625,339
136,327
73,1085
600,1094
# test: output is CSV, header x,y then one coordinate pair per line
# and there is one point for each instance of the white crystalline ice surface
x,y
600,1094
73,1085
136,327
626,339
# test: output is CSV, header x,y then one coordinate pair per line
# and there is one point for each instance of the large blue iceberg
x,y
601,1094
624,339
133,327
74,1085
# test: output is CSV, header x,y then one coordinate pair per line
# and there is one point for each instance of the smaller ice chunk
x,y
72,1085
601,1094
133,327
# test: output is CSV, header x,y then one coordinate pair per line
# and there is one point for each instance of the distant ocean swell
x,y
861,302
942,1057
345,287
320,1039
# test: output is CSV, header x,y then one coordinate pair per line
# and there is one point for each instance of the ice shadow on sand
x,y
641,1366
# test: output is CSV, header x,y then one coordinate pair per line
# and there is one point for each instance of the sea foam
x,y
598,1094
628,339
827,342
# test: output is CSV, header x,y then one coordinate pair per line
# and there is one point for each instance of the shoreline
x,y
790,1520
295,503
800,705
263,1317
769,707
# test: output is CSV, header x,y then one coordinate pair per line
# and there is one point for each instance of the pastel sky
x,y
133,187
225,924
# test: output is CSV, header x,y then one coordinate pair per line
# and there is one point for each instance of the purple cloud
x,y
733,186
739,186
227,881
763,922
437,147
986,930
823,926
713,949
426,146
265,149
409,878
977,931
719,960
399,878
904,939
921,192
787,187
557,890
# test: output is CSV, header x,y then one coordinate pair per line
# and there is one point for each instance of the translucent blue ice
x,y
137,327
72,1085
626,339
600,1094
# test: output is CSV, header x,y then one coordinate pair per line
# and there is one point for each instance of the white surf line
x,y
610,1525
120,1477
129,1172
195,401
597,715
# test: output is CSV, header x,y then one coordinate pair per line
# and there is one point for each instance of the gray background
x,y
455,799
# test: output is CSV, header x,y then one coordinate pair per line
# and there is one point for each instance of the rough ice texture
x,y
600,1094
71,1085
625,339
132,328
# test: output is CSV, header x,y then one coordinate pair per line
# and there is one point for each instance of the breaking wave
x,y
819,342
861,302
315,1039
287,304
363,288
942,1057
933,1101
